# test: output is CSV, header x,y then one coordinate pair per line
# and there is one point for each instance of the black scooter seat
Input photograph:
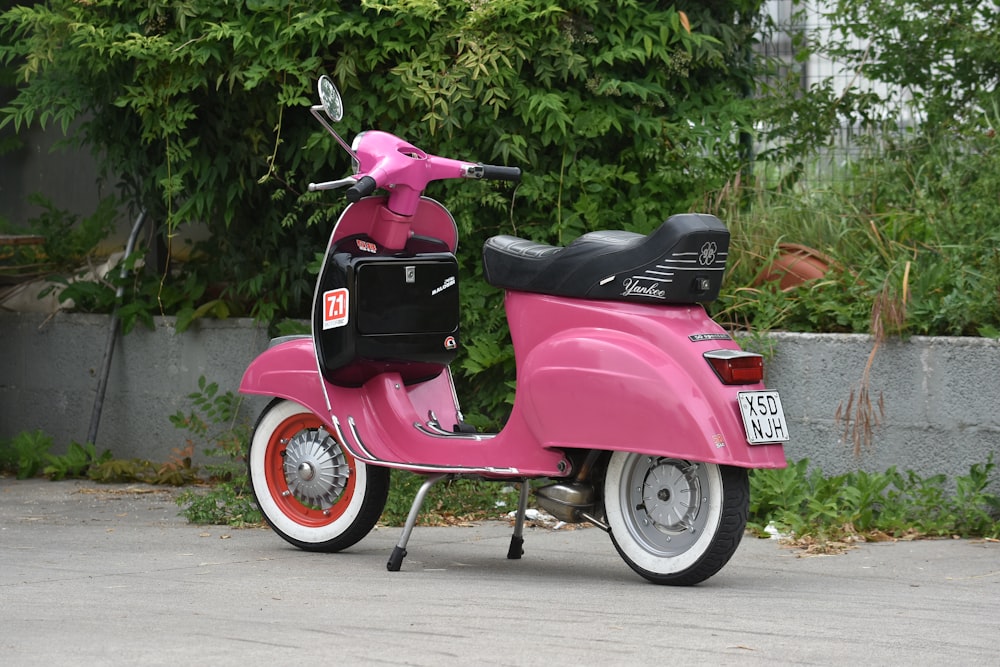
x,y
682,261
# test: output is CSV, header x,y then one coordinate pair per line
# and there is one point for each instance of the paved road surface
x,y
99,575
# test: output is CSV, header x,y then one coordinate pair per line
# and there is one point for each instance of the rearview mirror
x,y
329,97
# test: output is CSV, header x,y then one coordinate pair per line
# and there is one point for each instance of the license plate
x,y
763,418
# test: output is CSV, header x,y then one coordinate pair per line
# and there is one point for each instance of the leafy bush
x,y
940,59
26,454
68,241
214,423
77,462
808,505
908,210
911,233
620,112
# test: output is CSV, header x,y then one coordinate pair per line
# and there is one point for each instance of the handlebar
x,y
383,160
364,187
494,172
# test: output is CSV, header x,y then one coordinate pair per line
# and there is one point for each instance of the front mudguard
x,y
606,389
287,369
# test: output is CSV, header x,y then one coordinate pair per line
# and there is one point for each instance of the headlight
x,y
355,165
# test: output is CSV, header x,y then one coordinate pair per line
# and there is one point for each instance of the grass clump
x,y
812,508
910,229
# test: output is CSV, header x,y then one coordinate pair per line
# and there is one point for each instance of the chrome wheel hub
x,y
664,500
315,468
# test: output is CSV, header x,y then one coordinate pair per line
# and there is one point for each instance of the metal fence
x,y
797,25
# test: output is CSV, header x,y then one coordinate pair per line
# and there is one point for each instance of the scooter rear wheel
x,y
675,522
309,488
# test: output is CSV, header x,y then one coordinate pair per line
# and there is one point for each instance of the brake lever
x,y
333,185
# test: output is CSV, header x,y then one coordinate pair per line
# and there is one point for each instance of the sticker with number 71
x,y
335,308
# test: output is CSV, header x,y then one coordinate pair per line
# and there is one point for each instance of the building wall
x,y
66,176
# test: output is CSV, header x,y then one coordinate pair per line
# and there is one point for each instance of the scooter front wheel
x,y
309,488
673,521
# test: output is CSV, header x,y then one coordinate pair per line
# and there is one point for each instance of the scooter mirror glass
x,y
329,97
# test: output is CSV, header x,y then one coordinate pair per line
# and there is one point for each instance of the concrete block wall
x,y
940,396
940,400
49,368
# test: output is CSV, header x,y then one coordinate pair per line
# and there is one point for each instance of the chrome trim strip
x,y
450,470
357,439
367,456
729,354
454,394
448,435
343,439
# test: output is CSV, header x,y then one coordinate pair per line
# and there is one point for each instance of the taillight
x,y
736,366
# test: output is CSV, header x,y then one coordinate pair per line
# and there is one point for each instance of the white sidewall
x,y
311,534
632,548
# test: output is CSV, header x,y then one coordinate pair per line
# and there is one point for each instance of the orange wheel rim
x,y
310,476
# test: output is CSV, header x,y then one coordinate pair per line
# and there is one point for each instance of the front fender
x,y
611,390
287,369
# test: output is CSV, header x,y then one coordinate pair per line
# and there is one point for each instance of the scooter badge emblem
x,y
367,246
448,282
450,343
707,255
335,311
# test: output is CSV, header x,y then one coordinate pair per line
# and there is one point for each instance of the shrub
x,y
620,112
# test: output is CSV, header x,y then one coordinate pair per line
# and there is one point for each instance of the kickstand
x,y
516,549
399,553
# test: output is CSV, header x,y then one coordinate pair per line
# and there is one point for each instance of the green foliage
x,y
66,258
810,506
224,503
619,114
912,234
76,462
177,471
69,241
143,297
909,213
943,56
26,454
116,471
9,142
214,422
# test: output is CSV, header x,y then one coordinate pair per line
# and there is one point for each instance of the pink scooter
x,y
642,412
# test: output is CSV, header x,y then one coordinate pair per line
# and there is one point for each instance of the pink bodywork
x,y
590,374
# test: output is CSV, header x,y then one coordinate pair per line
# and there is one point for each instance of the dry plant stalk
x,y
861,415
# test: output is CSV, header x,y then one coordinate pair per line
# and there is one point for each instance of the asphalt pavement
x,y
111,575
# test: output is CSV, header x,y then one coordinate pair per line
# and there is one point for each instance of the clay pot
x,y
794,265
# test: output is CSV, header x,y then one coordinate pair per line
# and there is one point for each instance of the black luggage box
x,y
376,313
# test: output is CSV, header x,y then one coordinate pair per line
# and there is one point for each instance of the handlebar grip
x,y
364,187
500,173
